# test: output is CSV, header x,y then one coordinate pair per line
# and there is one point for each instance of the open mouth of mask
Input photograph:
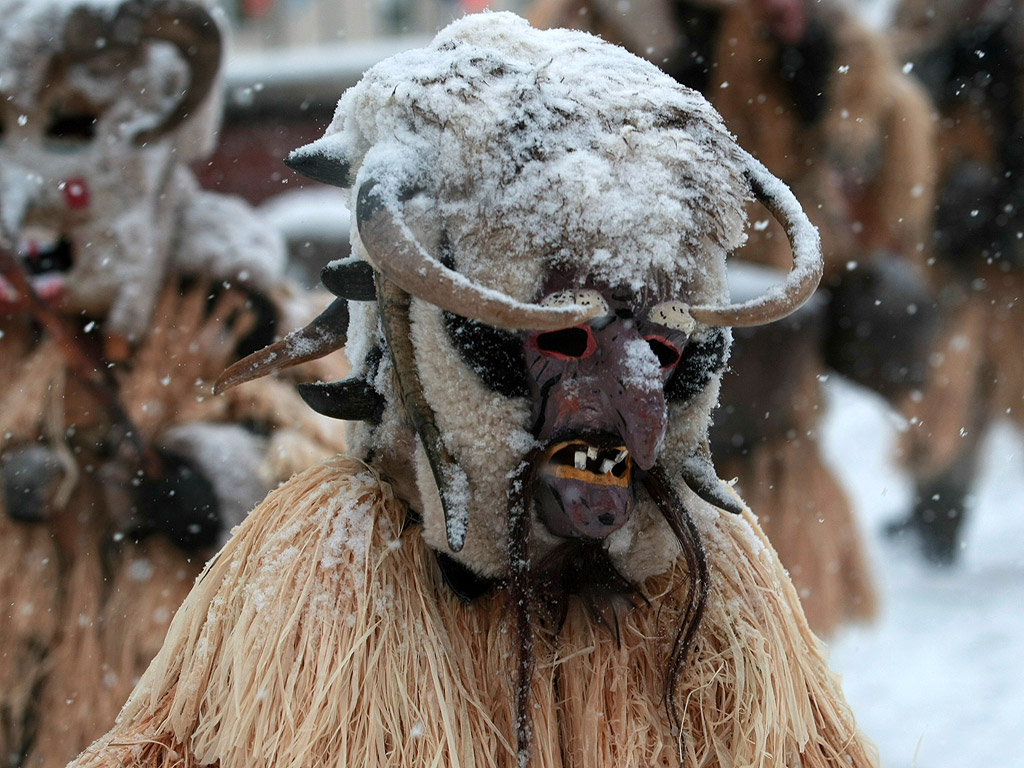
x,y
584,487
46,257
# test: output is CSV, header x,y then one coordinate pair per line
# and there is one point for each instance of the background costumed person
x,y
528,558
124,291
820,100
970,56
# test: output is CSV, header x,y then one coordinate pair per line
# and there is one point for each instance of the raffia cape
x,y
322,635
83,611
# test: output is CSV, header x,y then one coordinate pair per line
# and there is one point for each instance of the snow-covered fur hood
x,y
105,103
41,40
514,155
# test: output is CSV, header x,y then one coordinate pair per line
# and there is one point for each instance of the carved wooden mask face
x,y
600,410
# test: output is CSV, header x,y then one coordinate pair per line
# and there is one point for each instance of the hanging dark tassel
x,y
660,489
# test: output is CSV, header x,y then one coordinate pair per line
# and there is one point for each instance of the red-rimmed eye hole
x,y
666,352
568,343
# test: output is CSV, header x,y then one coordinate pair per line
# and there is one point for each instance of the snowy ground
x,y
938,680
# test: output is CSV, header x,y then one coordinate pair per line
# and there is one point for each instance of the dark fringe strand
x,y
676,515
584,569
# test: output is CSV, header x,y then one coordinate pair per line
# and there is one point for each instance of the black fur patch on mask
x,y
700,362
493,354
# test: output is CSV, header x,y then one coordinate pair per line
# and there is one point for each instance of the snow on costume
x,y
528,559
820,100
125,290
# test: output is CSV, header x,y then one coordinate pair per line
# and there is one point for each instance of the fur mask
x,y
538,302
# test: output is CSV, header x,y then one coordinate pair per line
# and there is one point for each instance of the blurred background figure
x,y
820,99
970,57
125,290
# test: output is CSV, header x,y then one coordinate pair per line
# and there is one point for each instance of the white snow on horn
x,y
673,314
789,295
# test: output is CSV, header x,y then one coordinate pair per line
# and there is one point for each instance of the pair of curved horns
x,y
395,251
185,24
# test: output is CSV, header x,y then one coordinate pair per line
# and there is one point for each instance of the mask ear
x,y
187,26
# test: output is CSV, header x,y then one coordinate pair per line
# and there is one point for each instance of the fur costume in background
x,y
120,474
970,56
820,101
529,559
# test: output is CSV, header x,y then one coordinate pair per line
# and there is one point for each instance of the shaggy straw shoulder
x,y
321,635
82,611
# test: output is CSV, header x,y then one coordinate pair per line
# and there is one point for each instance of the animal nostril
x,y
568,343
606,519
667,354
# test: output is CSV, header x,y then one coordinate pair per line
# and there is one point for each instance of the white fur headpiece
x,y
506,155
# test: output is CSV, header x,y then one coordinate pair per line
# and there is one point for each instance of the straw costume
x,y
528,558
124,292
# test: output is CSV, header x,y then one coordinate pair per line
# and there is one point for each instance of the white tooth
x,y
591,452
580,460
621,455
606,466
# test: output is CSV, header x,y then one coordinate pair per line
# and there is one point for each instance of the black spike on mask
x,y
350,278
350,400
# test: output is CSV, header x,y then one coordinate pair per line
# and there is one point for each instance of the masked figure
x,y
124,290
528,558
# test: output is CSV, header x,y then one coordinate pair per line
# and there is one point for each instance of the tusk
x,y
350,278
326,333
805,274
700,477
395,251
320,161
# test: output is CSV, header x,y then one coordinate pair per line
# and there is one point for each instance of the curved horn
x,y
395,251
326,333
805,274
186,25
196,35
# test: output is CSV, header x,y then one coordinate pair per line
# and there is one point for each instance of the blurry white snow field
x,y
938,680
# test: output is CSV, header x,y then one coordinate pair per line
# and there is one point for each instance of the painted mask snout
x,y
600,407
585,490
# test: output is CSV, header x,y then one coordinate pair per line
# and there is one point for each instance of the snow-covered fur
x,y
531,163
325,632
